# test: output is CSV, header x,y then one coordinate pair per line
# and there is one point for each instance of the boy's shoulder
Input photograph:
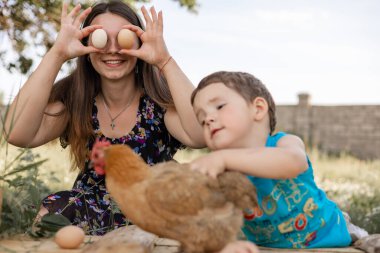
x,y
284,139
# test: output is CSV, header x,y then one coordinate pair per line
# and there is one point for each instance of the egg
x,y
126,38
69,237
99,38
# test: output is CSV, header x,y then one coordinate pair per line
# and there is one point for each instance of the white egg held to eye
x,y
69,237
126,38
99,38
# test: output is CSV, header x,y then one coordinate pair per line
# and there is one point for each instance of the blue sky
x,y
328,48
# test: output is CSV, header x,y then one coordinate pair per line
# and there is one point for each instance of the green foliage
x,y
20,185
33,24
49,225
353,184
190,4
365,211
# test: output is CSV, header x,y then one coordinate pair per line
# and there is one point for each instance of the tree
x,y
33,24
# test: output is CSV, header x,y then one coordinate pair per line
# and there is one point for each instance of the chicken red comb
x,y
97,155
101,143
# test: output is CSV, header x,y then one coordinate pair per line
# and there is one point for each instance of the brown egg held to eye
x,y
126,38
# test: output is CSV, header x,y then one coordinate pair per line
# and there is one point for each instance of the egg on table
x,y
126,38
99,38
69,237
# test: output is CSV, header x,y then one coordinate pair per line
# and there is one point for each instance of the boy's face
x,y
226,118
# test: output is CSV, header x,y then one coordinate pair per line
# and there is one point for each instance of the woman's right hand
x,y
68,44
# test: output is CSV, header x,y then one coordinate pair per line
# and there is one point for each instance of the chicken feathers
x,y
172,201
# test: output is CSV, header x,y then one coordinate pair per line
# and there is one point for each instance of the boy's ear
x,y
260,108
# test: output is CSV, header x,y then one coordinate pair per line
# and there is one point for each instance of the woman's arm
x,y
28,123
180,121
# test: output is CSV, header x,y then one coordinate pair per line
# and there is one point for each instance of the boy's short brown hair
x,y
248,86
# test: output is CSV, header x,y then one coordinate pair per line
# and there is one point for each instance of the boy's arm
x,y
287,160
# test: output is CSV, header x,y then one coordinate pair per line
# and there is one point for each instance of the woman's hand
x,y
153,49
211,164
240,247
68,44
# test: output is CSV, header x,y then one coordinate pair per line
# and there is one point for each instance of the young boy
x,y
237,114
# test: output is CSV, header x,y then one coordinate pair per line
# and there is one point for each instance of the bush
x,y
21,187
365,211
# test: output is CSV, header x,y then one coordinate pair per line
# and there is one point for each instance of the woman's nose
x,y
112,46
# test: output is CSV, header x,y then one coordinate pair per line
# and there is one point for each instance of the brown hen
x,y
172,201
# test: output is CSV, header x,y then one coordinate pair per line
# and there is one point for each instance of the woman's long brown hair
x,y
78,90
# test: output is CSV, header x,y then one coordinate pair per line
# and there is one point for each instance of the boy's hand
x,y
211,164
240,247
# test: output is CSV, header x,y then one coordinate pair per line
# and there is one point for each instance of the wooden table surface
x,y
129,239
48,246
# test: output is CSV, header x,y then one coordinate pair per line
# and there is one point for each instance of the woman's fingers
x,y
74,12
69,18
160,21
136,29
64,10
88,30
79,19
147,18
153,22
90,49
153,13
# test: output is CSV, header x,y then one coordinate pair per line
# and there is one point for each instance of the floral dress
x,y
88,204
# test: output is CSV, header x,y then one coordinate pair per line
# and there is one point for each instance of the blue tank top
x,y
294,213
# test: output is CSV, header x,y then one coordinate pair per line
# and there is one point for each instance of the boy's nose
x,y
210,119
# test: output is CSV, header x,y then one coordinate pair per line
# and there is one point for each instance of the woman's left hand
x,y
153,49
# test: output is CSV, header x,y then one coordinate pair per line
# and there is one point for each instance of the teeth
x,y
113,62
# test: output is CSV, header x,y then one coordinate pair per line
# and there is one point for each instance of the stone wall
x,y
354,129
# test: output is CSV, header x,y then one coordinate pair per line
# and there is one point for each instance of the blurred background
x,y
328,49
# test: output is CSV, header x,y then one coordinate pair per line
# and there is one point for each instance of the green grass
x,y
353,184
350,182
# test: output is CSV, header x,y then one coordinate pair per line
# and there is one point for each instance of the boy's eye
x,y
220,106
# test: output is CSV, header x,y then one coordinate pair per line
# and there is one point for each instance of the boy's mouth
x,y
214,131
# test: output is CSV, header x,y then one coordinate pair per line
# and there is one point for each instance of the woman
x,y
139,97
